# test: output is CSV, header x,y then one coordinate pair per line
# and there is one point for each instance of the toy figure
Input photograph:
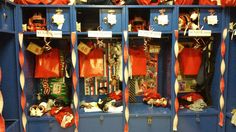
x,y
36,22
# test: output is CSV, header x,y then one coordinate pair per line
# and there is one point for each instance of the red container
x,y
190,61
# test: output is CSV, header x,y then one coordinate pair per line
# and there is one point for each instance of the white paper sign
x,y
111,19
150,34
100,34
199,33
50,34
163,20
59,19
212,20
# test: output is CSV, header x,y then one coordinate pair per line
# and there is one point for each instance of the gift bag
x,y
50,64
91,65
143,2
64,116
94,2
228,3
190,61
46,2
138,61
184,2
207,2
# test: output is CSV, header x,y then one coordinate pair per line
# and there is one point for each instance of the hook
x,y
47,47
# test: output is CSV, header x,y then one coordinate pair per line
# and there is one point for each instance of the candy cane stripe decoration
x,y
176,86
222,81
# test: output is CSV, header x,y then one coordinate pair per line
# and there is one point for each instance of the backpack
x,y
205,77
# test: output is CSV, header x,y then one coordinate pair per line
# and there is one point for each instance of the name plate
x,y
150,34
100,34
49,34
199,33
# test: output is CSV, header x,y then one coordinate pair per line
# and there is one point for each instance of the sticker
x,y
212,20
56,88
150,34
111,19
163,20
199,33
154,49
100,34
58,18
35,49
82,47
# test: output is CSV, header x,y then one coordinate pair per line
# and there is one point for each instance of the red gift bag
x,y
190,61
48,64
184,2
143,2
207,2
138,61
46,2
91,65
228,3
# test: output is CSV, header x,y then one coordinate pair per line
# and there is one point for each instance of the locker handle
x,y
149,120
101,118
198,120
155,19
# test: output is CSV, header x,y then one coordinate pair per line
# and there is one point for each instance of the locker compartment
x,y
100,75
105,19
101,122
59,19
46,125
200,18
12,125
149,18
48,84
198,123
229,127
41,18
7,17
149,82
161,19
150,123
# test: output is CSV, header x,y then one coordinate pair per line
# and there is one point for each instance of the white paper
x,y
100,34
50,34
150,34
212,20
111,19
163,20
199,33
58,18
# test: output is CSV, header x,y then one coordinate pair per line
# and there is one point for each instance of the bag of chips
x,y
56,88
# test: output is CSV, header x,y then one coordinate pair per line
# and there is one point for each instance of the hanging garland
x,y
176,86
126,76
222,81
22,81
2,121
75,80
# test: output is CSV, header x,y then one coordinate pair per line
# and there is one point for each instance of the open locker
x,y
200,68
8,81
